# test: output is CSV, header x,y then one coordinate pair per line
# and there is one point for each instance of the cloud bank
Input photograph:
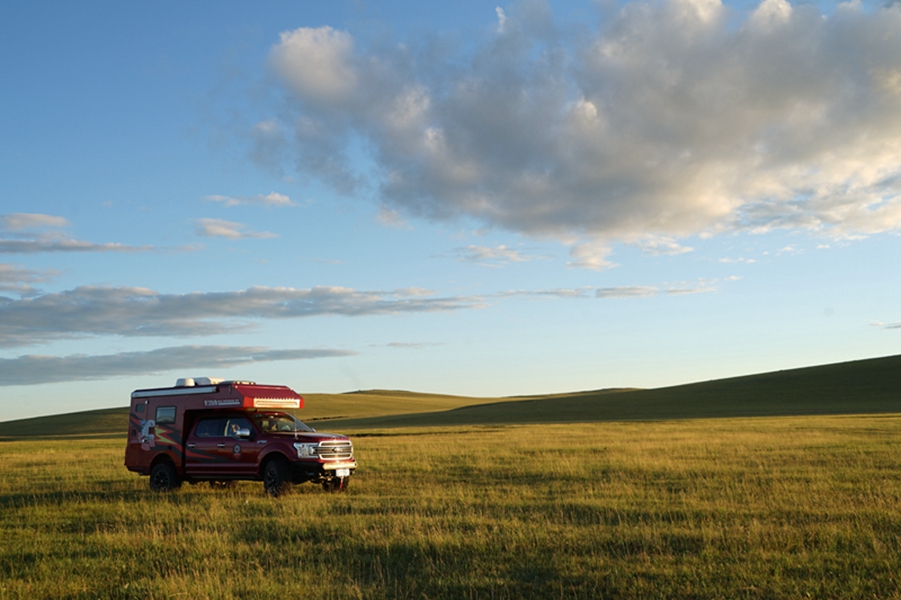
x,y
131,311
33,369
669,119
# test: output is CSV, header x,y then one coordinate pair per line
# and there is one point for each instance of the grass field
x,y
790,507
755,487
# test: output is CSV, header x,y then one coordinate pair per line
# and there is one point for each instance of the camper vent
x,y
192,381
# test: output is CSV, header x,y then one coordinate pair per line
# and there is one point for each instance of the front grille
x,y
336,450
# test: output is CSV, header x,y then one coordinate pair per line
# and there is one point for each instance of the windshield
x,y
279,423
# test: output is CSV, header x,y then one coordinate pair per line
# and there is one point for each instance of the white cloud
x,y
317,63
590,255
645,291
501,19
129,311
391,218
36,369
62,244
414,345
228,229
634,291
17,221
660,245
270,199
672,119
771,14
493,257
626,291
27,237
17,279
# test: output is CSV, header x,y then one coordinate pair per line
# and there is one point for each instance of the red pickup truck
x,y
207,429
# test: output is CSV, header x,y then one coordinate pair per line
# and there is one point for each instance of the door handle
x,y
192,445
220,445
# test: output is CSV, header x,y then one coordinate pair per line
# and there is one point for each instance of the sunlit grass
x,y
743,508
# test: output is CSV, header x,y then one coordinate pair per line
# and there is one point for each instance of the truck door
x,y
202,450
215,448
242,451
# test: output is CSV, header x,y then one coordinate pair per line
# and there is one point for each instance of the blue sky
x,y
472,198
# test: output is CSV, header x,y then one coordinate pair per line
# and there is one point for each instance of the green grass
x,y
789,507
756,487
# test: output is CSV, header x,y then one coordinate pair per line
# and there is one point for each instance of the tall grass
x,y
744,508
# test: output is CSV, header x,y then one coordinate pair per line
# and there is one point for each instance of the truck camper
x,y
206,429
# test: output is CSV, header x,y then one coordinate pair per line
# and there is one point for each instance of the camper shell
x,y
206,429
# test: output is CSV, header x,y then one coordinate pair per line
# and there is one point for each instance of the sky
x,y
466,198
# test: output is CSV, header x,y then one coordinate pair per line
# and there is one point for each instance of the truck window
x,y
279,422
165,414
210,427
236,423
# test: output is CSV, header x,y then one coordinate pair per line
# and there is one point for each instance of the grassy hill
x,y
859,387
863,387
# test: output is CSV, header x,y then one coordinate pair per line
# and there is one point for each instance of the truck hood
x,y
306,436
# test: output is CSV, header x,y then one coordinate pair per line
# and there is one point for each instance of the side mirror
x,y
242,433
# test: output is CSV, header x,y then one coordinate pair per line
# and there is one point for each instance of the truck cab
x,y
205,429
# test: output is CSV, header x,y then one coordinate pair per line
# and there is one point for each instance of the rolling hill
x,y
865,386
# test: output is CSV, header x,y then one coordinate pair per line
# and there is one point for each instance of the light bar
x,y
276,403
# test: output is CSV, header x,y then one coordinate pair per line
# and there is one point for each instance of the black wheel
x,y
276,477
336,484
163,477
222,485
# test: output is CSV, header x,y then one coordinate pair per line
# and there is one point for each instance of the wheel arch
x,y
164,457
265,459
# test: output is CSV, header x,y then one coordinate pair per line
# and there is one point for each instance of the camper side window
x,y
165,414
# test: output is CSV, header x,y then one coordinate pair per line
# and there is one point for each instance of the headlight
x,y
306,450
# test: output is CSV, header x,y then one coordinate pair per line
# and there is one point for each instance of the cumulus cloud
x,y
28,235
270,199
670,119
228,229
130,311
36,369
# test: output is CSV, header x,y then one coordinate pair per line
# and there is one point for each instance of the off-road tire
x,y
276,477
163,477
